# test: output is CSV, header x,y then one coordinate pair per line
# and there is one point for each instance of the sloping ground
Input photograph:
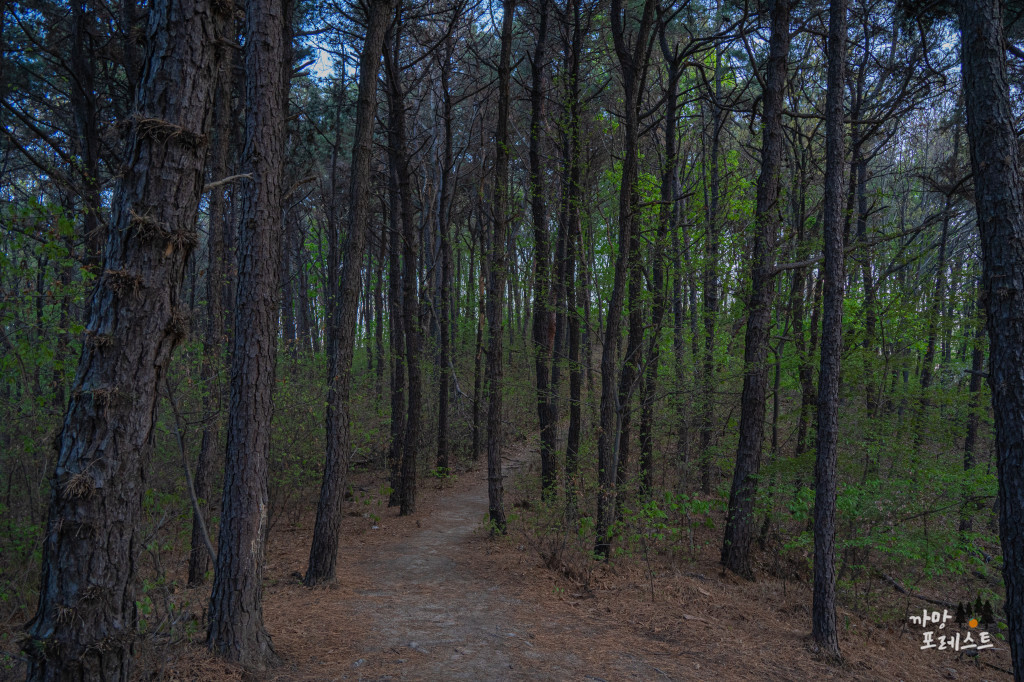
x,y
431,597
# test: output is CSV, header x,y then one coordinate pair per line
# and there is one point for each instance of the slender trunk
x,y
287,288
481,316
739,527
823,611
306,334
973,416
542,344
378,303
444,229
397,338
632,62
213,343
84,104
711,288
324,550
398,151
571,210
631,365
934,313
496,281
667,223
871,390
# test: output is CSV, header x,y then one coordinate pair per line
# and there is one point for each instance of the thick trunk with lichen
x,y
84,628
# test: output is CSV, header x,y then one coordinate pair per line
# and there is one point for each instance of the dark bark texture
x,y
496,282
824,631
84,627
739,527
543,334
213,341
999,198
236,629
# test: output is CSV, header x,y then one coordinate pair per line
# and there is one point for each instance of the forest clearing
x,y
511,339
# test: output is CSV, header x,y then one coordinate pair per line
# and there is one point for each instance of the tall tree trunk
x,y
287,289
823,610
378,304
633,65
303,314
496,282
871,390
213,342
934,315
481,316
323,553
84,627
571,225
397,328
739,526
398,151
83,101
542,312
999,199
973,416
710,288
236,603
667,223
444,229
630,366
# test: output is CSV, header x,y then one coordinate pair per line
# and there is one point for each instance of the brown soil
x,y
432,597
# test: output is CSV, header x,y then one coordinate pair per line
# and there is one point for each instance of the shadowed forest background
x,y
732,281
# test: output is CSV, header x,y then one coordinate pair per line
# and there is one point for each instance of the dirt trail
x,y
418,599
435,617
431,597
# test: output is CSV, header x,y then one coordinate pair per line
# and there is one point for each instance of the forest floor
x,y
433,597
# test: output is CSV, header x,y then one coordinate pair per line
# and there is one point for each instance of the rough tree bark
x,y
84,627
397,328
444,229
823,610
710,285
668,222
999,198
236,629
398,151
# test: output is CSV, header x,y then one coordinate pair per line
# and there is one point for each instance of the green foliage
x,y
668,524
